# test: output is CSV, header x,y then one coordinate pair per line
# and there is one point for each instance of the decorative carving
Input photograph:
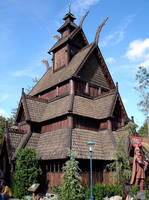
x,y
57,37
82,20
46,63
98,31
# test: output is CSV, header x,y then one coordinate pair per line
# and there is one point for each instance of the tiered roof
x,y
54,144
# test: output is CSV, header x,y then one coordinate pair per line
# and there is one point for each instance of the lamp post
x,y
91,148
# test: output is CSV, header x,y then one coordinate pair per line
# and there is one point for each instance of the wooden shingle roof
x,y
51,78
54,144
40,111
104,147
99,108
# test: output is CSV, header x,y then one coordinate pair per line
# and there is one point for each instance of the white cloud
x,y
138,51
110,60
78,6
118,35
2,111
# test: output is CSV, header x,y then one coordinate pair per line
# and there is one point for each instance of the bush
x,y
71,187
133,190
26,172
100,191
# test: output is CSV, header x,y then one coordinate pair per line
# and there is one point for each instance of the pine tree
x,y
71,188
26,172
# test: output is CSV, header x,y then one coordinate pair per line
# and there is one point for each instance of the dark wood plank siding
x,y
24,126
57,91
86,123
64,89
49,95
56,124
60,58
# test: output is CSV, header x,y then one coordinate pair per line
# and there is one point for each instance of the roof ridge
x,y
58,97
22,143
36,98
92,46
106,94
40,79
13,130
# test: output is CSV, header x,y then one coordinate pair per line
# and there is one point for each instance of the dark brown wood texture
x,y
55,125
24,126
60,58
86,123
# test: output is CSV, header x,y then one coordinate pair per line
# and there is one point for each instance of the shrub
x,y
71,187
26,172
100,191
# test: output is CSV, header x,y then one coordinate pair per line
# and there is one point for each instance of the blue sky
x,y
26,34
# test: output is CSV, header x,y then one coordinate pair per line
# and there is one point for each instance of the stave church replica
x,y
74,101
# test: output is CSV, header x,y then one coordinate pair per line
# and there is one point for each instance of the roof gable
x,y
22,111
51,78
92,71
69,38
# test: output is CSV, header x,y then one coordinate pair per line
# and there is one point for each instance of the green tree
x,y
120,167
142,78
26,173
2,125
71,187
131,128
143,130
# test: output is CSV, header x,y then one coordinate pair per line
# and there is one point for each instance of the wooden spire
x,y
82,20
98,31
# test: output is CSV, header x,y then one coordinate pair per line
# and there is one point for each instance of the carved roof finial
x,y
46,63
98,31
56,36
82,20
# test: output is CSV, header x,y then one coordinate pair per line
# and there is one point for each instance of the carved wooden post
x,y
87,88
109,124
123,122
57,91
71,83
70,121
99,91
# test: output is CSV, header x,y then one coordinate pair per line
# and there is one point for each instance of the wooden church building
x,y
74,101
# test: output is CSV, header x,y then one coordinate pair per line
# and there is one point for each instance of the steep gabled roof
x,y
12,138
51,78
